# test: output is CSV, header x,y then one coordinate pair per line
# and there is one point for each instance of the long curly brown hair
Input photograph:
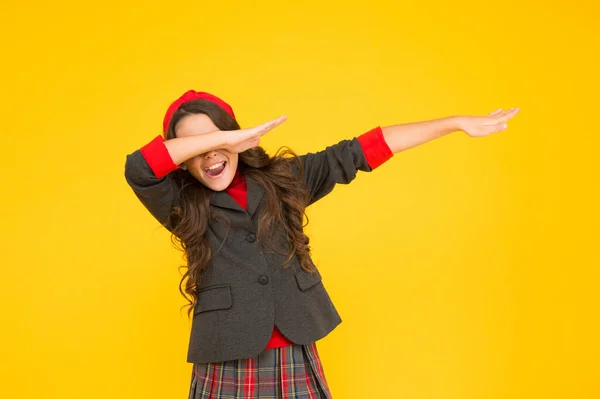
x,y
285,202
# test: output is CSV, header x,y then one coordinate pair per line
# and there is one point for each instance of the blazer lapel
x,y
255,195
224,200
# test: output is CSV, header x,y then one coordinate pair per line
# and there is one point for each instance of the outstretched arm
x,y
404,136
339,163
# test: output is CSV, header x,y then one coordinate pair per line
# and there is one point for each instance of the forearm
x,y
404,136
183,148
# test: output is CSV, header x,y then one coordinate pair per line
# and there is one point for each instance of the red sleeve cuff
x,y
374,147
158,158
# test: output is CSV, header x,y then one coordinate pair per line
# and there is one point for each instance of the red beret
x,y
189,96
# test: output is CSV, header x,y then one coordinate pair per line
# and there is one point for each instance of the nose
x,y
210,154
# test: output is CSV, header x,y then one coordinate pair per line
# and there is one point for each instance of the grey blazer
x,y
245,290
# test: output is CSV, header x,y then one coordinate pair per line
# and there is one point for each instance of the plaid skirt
x,y
288,372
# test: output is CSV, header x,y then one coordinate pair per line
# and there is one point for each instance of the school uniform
x,y
255,323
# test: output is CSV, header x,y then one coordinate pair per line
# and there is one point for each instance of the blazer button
x,y
250,237
264,280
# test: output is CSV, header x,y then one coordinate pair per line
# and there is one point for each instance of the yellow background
x,y
464,268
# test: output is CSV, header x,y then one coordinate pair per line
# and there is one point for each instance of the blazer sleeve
x,y
336,164
147,175
339,163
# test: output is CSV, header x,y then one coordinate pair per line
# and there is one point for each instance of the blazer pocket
x,y
306,280
214,297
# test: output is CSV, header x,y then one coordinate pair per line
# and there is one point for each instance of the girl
x,y
258,301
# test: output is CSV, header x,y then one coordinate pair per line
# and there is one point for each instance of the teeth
x,y
216,166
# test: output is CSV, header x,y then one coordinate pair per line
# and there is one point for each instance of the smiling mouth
x,y
216,170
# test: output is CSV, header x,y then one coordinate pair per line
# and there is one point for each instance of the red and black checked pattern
x,y
288,372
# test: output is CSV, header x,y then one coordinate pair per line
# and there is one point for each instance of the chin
x,y
219,183
217,186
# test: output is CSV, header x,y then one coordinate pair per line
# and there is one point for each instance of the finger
x,y
253,143
505,116
278,121
263,126
268,125
499,127
257,131
510,111
499,118
495,112
272,125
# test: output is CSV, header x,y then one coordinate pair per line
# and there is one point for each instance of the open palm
x,y
479,126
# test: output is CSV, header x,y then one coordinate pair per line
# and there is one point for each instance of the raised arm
x,y
235,141
147,169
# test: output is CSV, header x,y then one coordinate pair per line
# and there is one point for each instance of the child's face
x,y
215,169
